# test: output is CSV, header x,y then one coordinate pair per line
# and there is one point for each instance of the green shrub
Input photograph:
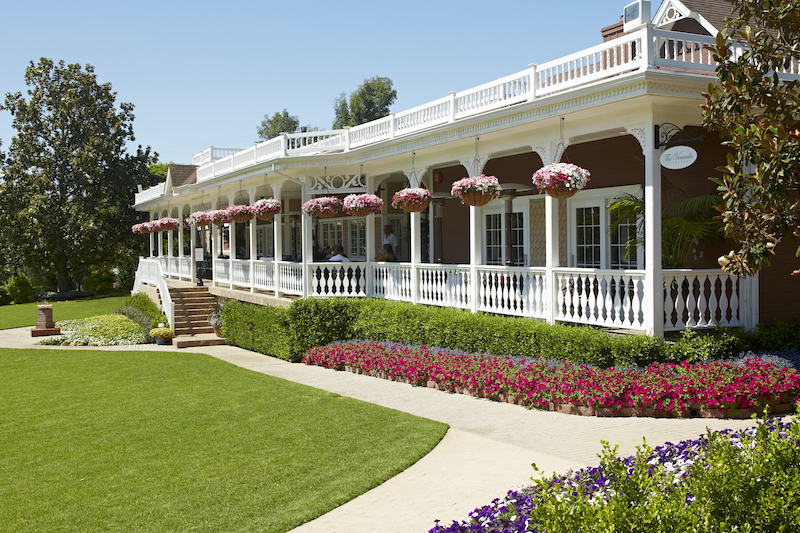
x,y
316,321
161,333
20,289
144,321
774,336
100,282
5,298
143,303
258,328
696,347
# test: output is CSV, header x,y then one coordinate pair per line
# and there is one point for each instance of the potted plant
x,y
215,318
412,200
322,207
239,213
162,335
266,208
361,205
199,218
561,180
476,191
219,216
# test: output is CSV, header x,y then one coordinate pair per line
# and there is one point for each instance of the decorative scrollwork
x,y
668,134
345,183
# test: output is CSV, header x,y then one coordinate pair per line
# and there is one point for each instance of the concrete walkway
x,y
487,451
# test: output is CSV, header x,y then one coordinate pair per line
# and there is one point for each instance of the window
x,y
332,233
494,241
358,239
265,241
591,243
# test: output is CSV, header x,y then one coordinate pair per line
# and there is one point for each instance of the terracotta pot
x,y
359,212
560,193
477,199
413,208
265,216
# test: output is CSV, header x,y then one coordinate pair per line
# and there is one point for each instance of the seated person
x,y
320,255
386,253
339,257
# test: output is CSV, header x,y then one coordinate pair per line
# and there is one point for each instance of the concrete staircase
x,y
192,306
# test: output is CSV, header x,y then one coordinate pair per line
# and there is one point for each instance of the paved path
x,y
487,451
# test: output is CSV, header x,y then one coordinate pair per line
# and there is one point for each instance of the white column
x,y
192,246
306,244
215,246
414,180
371,225
152,238
181,257
551,257
277,228
653,301
251,194
475,256
232,241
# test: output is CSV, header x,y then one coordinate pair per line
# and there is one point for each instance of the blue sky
x,y
205,73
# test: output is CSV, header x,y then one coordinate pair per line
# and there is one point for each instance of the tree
x,y
281,122
756,110
369,102
67,189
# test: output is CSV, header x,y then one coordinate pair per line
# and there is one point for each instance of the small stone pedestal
x,y
44,323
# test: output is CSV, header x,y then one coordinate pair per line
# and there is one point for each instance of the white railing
x,y
186,267
494,95
608,59
646,48
151,272
611,298
211,154
222,270
338,279
290,278
512,291
151,193
391,281
241,272
702,299
316,141
444,285
264,275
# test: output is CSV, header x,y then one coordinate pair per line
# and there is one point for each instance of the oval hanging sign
x,y
678,157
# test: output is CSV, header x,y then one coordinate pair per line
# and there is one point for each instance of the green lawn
x,y
145,441
22,315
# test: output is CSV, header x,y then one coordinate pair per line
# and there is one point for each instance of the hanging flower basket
x,y
219,217
322,207
412,200
199,218
239,213
187,229
476,191
140,229
361,205
561,180
266,208
163,224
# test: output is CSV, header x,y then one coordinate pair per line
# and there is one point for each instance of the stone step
x,y
207,330
204,339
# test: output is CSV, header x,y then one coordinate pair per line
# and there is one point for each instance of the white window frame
x,y
599,198
518,205
266,234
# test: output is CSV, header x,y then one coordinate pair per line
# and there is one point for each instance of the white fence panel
x,y
518,292
338,279
702,299
391,281
610,298
444,285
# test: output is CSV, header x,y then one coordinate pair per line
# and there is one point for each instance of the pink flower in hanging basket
x,y
266,206
481,184
322,205
561,176
359,202
413,196
219,216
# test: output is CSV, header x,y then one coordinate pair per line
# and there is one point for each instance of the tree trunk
x,y
62,272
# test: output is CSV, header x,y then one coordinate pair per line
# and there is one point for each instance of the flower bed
x,y
744,478
715,389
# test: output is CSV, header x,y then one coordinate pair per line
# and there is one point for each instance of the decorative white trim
x,y
542,151
415,176
474,166
340,183
670,12
639,133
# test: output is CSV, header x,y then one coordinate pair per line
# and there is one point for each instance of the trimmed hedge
x,y
288,332
262,329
